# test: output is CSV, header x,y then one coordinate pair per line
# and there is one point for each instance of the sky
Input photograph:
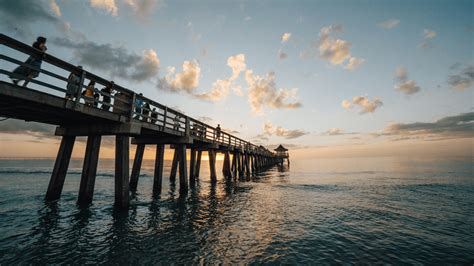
x,y
323,78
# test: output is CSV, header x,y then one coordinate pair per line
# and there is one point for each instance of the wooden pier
x,y
146,123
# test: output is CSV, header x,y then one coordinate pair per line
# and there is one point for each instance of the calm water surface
x,y
366,210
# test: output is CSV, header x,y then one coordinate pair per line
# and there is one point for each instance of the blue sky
x,y
428,41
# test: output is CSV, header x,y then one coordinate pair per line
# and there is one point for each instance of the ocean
x,y
329,211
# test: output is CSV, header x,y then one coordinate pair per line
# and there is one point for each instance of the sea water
x,y
346,210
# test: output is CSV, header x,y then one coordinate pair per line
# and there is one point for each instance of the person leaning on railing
x,y
106,91
88,93
31,71
72,85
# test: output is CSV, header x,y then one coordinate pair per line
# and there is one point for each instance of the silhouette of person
x,y
218,131
72,87
138,106
88,93
106,92
31,71
154,116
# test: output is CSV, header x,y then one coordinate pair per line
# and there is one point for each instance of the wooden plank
x,y
159,161
122,149
137,164
89,170
61,165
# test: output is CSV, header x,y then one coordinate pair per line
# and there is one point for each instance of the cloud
x,y
285,37
269,129
185,81
262,92
117,61
334,50
143,8
222,87
39,130
281,54
247,18
354,63
364,103
17,15
204,119
457,126
108,5
463,80
389,24
55,8
427,35
404,84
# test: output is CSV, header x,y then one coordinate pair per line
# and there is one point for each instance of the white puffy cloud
x,y
285,37
404,84
262,92
147,67
389,24
332,49
108,5
186,81
55,8
143,8
237,64
364,104
269,129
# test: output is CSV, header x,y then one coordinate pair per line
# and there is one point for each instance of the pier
x,y
147,123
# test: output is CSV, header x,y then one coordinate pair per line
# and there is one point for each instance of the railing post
x,y
132,106
165,116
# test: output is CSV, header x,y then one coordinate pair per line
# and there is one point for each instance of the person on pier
x,y
73,85
218,131
106,93
176,122
88,93
154,116
146,112
31,71
138,106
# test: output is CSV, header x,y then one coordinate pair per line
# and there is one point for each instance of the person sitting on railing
x,y
154,116
31,71
138,107
146,112
72,85
218,131
88,93
106,91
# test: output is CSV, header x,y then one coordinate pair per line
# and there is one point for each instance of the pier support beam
x,y
192,165
212,165
183,172
122,149
159,161
174,166
89,170
198,163
61,165
226,166
137,164
234,164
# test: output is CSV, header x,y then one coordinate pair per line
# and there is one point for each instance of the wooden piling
x,y
212,165
122,149
226,166
192,165
174,166
137,164
183,173
89,170
198,164
61,165
159,161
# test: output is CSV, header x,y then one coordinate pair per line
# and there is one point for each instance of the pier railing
x,y
56,76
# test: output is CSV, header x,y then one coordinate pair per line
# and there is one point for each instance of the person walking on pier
x,y
176,122
106,93
88,94
73,85
146,112
218,131
33,63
